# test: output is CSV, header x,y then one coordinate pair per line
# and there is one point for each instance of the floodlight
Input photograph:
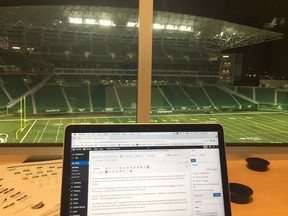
x,y
132,24
75,20
16,47
90,21
158,26
185,28
171,27
105,22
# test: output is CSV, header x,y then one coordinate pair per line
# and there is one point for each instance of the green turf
x,y
256,127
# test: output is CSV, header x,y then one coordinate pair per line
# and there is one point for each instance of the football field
x,y
240,127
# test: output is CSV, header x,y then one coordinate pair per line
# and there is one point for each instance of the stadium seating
x,y
158,51
100,49
177,97
127,96
54,58
78,58
247,91
158,101
72,79
80,49
13,58
198,96
118,93
209,80
58,49
220,98
50,99
265,95
282,99
173,52
111,100
3,98
14,85
119,49
189,80
78,97
98,97
194,87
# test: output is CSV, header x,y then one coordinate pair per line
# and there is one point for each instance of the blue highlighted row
x,y
79,163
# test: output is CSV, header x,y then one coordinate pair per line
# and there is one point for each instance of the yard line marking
x,y
43,131
28,131
36,137
251,126
283,122
235,131
58,131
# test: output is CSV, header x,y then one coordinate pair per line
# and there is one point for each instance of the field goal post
x,y
23,117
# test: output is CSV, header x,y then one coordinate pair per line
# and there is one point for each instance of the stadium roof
x,y
35,26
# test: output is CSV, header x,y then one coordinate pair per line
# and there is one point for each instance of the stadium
x,y
79,64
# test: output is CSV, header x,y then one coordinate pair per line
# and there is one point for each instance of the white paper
x,y
30,188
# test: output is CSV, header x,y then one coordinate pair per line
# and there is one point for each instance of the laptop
x,y
145,169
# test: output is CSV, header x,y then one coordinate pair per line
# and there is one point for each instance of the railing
x,y
101,71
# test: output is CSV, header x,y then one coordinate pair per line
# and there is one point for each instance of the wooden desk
x,y
270,188
12,159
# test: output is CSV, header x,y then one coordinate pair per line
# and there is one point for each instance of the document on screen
x,y
139,183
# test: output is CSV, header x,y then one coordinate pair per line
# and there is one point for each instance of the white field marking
x,y
154,121
43,131
36,137
28,131
58,131
251,138
194,119
119,121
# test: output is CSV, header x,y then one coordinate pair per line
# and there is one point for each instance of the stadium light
x,y
132,24
158,26
171,27
225,56
105,22
90,21
185,28
16,47
75,20
221,34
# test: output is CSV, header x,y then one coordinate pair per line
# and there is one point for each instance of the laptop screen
x,y
145,171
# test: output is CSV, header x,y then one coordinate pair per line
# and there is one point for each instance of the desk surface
x,y
270,188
